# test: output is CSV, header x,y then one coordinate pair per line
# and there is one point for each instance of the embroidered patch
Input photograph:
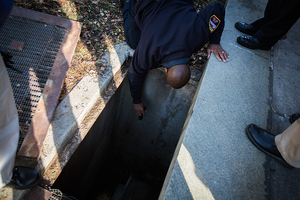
x,y
214,22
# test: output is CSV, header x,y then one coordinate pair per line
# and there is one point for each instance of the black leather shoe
x,y
245,28
265,142
24,178
294,117
251,42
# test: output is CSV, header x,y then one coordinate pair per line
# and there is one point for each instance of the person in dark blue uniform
x,y
165,34
16,177
279,17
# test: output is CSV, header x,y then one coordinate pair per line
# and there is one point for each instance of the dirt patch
x,y
102,27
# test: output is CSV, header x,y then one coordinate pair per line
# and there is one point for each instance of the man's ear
x,y
166,71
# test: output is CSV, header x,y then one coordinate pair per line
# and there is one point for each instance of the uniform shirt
x,y
171,31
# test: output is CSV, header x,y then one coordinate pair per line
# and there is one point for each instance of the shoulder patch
x,y
214,22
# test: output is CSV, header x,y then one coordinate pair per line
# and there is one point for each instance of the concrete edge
x,y
186,123
75,108
180,141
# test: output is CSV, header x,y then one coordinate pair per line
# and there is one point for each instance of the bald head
x,y
178,75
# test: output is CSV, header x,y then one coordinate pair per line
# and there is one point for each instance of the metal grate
x,y
34,46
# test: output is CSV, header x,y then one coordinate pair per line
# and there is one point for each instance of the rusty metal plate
x,y
17,45
42,45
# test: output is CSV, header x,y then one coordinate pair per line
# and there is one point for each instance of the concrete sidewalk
x,y
214,158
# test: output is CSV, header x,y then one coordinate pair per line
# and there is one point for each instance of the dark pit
x,y
123,157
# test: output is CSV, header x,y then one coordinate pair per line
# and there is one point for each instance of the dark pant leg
x,y
258,24
131,30
280,16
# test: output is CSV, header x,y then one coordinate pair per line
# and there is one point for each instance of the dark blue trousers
x,y
5,8
131,30
279,17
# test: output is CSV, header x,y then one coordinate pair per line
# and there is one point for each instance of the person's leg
x,y
9,127
258,23
131,30
279,17
288,144
17,177
268,15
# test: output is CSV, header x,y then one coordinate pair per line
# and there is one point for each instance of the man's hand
x,y
219,52
139,109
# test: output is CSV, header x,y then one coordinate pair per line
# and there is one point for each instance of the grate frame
x,y
46,63
35,55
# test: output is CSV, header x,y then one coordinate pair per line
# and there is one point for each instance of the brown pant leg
x,y
288,144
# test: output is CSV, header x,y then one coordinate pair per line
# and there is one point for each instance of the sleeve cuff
x,y
214,41
137,101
